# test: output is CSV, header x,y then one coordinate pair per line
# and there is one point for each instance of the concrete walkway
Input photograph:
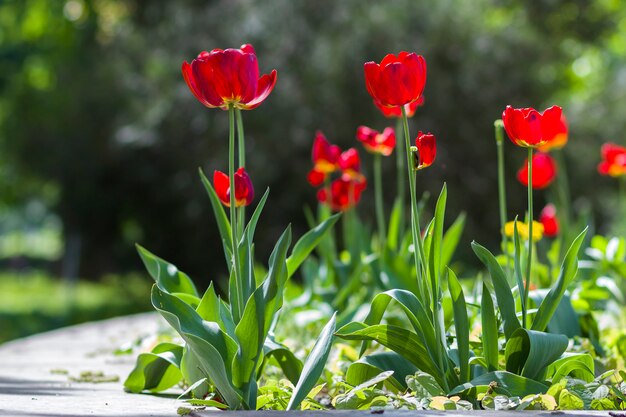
x,y
37,373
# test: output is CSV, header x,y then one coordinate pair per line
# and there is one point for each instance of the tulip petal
x,y
265,86
221,183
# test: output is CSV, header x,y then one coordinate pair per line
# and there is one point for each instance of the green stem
x,y
530,227
241,148
400,152
378,191
498,125
418,247
233,214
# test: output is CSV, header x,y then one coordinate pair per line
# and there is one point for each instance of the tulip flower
x,y
559,140
350,164
244,192
426,150
529,128
221,78
613,160
344,193
523,230
397,80
544,171
376,142
325,156
549,221
397,111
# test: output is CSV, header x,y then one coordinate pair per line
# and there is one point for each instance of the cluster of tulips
x,y
237,335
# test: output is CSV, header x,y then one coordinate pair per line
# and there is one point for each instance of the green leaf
x,y
461,324
402,341
578,365
157,370
414,310
517,267
371,365
515,385
434,257
165,274
506,303
254,219
570,401
250,334
424,385
213,349
274,283
490,330
288,362
566,275
314,364
528,352
451,239
394,234
193,374
209,307
223,224
305,245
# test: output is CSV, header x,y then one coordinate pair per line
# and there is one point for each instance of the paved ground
x,y
31,382
35,372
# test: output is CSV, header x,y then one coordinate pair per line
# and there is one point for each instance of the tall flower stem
x,y
233,213
241,149
530,227
498,125
400,152
418,246
378,191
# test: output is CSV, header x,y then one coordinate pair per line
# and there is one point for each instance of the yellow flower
x,y
522,229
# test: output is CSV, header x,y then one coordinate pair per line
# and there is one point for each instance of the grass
x,y
34,302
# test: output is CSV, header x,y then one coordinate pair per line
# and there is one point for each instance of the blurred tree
x,y
93,108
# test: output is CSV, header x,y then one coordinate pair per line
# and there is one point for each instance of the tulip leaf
x,y
414,310
369,366
250,334
193,374
402,341
434,257
461,324
251,227
512,384
506,303
284,357
314,364
223,224
305,245
212,348
568,271
578,365
528,352
165,274
451,239
394,235
517,267
156,370
490,330
274,282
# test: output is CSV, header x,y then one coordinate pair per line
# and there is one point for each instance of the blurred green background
x,y
100,138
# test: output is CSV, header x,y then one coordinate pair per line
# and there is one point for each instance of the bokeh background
x,y
100,139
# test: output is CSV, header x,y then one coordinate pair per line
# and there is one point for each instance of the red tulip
x,y
560,136
223,77
549,220
325,156
244,192
397,111
397,80
531,129
343,194
613,160
316,178
350,164
426,149
376,142
544,171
